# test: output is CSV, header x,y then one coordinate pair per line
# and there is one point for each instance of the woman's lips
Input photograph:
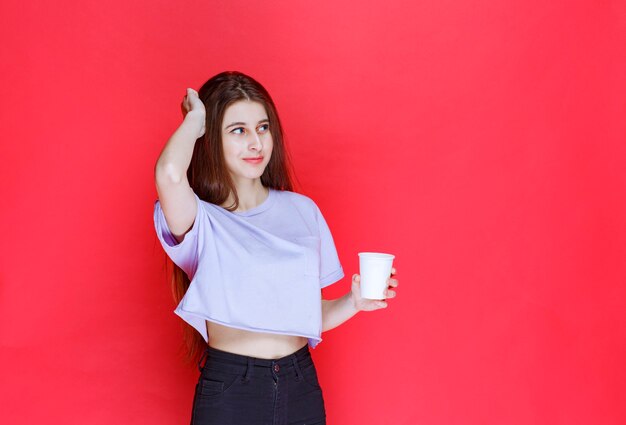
x,y
254,160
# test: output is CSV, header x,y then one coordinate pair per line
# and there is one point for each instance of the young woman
x,y
251,257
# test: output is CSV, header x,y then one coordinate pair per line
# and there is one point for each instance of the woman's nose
x,y
255,141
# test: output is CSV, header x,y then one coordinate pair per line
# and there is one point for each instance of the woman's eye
x,y
238,130
264,128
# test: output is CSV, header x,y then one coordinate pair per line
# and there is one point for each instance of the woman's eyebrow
x,y
243,123
235,123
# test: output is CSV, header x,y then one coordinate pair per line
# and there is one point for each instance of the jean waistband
x,y
213,354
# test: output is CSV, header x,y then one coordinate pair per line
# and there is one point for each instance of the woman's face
x,y
246,139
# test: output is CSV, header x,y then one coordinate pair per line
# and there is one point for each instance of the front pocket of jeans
x,y
209,387
214,383
309,376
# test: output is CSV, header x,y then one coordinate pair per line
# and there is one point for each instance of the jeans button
x,y
276,368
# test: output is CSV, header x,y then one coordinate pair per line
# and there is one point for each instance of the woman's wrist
x,y
352,302
195,120
195,117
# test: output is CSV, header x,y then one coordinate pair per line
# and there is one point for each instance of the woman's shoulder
x,y
299,199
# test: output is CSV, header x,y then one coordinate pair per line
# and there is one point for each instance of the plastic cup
x,y
375,269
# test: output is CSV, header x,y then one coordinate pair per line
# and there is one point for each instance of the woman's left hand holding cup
x,y
365,304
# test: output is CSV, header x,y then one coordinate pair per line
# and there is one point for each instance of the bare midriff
x,y
255,344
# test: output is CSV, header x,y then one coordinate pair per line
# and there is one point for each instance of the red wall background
x,y
483,143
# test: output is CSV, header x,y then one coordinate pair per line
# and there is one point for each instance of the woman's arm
x,y
175,157
176,197
337,311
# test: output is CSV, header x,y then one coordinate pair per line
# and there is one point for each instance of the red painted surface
x,y
482,143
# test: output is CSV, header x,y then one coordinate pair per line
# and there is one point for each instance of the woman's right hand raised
x,y
193,106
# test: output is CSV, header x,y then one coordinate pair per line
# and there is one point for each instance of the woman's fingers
x,y
389,293
392,282
192,95
189,99
184,106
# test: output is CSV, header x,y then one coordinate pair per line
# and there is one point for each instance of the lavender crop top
x,y
260,270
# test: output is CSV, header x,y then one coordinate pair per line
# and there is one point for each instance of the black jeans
x,y
239,390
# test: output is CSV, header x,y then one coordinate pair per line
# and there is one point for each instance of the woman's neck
x,y
251,194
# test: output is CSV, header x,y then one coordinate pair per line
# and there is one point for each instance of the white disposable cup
x,y
375,269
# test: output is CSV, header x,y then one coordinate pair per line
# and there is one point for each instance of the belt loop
x,y
206,352
246,377
296,366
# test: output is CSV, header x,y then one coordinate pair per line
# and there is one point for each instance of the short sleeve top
x,y
260,270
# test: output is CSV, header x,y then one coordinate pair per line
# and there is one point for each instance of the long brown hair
x,y
208,174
